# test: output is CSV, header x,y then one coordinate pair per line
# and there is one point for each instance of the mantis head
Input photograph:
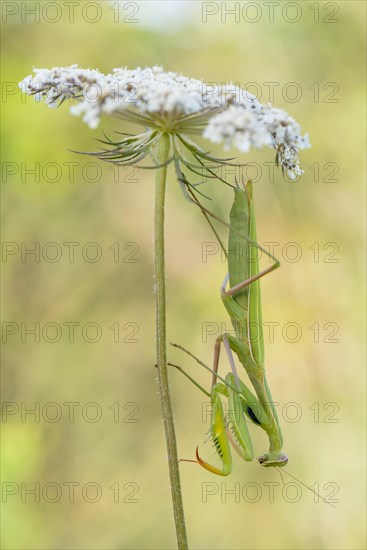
x,y
273,459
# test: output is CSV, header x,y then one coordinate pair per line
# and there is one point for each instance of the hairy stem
x,y
164,392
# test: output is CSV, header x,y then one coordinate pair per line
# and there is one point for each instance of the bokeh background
x,y
99,478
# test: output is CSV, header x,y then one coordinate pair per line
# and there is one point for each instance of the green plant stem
x,y
160,284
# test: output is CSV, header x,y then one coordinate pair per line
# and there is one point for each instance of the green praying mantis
x,y
242,301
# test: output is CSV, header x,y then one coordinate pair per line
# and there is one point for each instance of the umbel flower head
x,y
180,106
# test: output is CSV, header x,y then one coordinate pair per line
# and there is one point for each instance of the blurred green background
x,y
112,452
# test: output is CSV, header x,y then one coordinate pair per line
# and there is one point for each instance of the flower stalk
x,y
161,343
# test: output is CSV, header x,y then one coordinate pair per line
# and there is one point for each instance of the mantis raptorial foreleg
x,y
242,404
243,303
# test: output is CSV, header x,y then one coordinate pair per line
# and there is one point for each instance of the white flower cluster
x,y
233,116
149,90
258,126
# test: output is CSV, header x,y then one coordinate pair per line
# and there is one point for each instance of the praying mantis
x,y
242,300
